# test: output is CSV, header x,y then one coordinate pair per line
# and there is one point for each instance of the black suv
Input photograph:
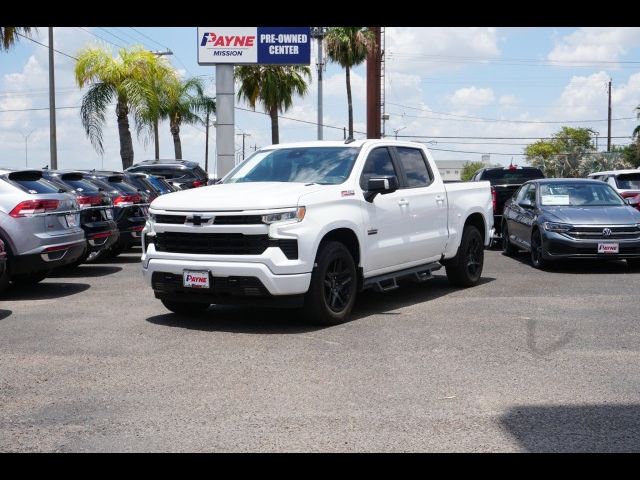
x,y
181,173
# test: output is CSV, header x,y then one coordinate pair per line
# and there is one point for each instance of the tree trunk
x,y
275,133
349,102
206,147
156,138
175,132
126,144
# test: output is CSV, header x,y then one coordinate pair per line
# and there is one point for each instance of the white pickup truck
x,y
311,224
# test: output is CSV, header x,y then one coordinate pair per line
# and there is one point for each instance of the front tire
x,y
185,307
507,247
632,263
332,291
537,251
465,269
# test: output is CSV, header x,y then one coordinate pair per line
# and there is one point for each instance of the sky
x,y
508,85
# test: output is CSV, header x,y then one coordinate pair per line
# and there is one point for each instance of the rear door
x,y
425,206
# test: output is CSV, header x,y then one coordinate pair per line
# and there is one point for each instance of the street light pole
x,y
52,106
26,138
318,33
396,130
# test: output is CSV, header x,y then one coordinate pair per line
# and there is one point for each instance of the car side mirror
x,y
526,204
380,185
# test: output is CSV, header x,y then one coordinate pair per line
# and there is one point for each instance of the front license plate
x,y
608,248
71,220
193,279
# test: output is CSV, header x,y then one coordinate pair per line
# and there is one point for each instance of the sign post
x,y
225,47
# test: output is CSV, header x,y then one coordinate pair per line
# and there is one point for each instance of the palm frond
x,y
92,112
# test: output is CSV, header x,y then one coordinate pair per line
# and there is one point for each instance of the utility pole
x,y
52,107
318,33
373,87
206,146
243,135
609,121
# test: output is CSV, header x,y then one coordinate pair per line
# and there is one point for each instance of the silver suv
x,y
39,226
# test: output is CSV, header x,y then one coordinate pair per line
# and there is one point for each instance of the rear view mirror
x,y
380,185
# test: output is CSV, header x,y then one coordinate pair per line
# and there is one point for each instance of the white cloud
x,y
472,97
508,100
595,44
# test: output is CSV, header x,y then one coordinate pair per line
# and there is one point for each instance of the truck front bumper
x,y
233,279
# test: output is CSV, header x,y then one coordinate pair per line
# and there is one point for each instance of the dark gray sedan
x,y
571,218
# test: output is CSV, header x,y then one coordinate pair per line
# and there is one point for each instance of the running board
x,y
389,281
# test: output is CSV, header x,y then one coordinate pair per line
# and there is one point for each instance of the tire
x,y
4,279
633,263
185,307
507,247
537,251
27,279
332,291
465,269
76,263
114,251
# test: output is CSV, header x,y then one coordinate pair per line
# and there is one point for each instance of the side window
x,y
378,164
521,193
531,195
415,167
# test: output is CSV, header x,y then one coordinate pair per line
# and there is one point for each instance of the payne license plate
x,y
608,248
195,279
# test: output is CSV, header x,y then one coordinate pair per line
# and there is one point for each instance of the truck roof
x,y
341,143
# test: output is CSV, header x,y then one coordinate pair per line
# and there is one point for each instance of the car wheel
x,y
537,251
465,269
332,291
507,247
26,279
633,263
185,307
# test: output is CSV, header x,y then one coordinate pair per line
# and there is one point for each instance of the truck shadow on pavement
x,y
370,302
122,258
575,428
237,319
590,266
84,271
44,291
5,313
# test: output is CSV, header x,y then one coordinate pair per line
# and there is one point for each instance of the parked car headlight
x,y
557,227
294,215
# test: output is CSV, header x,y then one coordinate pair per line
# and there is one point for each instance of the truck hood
x,y
235,197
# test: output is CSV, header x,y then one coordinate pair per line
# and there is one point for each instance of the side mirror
x,y
380,185
526,204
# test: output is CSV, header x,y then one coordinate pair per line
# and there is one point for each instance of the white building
x,y
451,169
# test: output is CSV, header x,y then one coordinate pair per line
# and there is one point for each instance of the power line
x,y
148,37
488,138
101,38
114,35
47,46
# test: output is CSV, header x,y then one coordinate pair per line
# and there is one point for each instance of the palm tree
x,y
9,35
182,100
273,86
124,79
349,46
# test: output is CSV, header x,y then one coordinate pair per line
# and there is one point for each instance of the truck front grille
x,y
211,243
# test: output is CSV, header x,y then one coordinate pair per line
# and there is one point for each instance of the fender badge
x,y
347,193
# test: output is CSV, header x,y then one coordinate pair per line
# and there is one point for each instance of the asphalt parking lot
x,y
527,361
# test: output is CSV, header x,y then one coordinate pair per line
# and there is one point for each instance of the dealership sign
x,y
254,45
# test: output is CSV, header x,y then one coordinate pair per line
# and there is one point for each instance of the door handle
x,y
402,201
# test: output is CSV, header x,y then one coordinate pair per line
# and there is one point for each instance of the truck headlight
x,y
295,215
557,227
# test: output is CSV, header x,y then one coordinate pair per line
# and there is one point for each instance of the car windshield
x,y
323,165
579,194
628,181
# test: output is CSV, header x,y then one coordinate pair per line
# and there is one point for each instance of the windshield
x,y
579,194
628,181
323,165
505,176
